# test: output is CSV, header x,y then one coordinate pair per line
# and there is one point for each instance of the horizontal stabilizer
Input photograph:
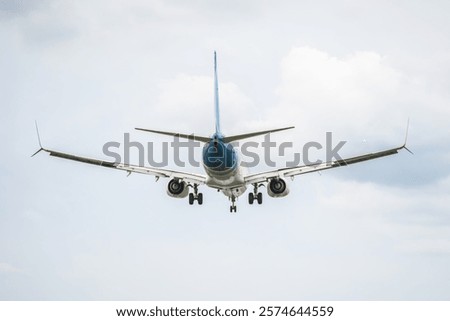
x,y
190,137
230,139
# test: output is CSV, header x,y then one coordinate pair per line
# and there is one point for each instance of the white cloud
x,y
427,246
413,219
187,102
359,96
318,78
8,268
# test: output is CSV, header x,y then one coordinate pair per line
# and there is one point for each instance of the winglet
x,y
39,139
406,138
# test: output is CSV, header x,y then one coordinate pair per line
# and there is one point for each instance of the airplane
x,y
223,171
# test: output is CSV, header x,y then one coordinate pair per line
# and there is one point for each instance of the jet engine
x,y
277,188
177,188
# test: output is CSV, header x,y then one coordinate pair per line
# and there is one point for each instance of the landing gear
x,y
195,196
259,197
233,205
255,195
251,198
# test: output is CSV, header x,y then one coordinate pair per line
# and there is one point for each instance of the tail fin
x,y
216,96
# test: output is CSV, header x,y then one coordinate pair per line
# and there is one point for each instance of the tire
x,y
191,198
259,197
251,198
200,198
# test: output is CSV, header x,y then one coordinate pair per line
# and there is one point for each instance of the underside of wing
x,y
157,172
300,170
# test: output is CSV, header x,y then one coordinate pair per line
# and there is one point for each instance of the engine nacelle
x,y
277,187
177,188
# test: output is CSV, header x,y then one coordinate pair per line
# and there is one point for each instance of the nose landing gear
x,y
233,205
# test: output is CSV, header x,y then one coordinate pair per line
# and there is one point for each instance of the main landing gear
x,y
255,195
195,196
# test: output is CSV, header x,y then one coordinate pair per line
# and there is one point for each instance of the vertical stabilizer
x,y
216,96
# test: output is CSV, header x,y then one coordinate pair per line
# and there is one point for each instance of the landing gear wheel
x,y
255,195
195,196
251,198
259,197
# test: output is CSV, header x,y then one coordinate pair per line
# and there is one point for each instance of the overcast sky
x,y
89,71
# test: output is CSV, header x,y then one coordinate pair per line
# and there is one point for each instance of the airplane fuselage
x,y
221,164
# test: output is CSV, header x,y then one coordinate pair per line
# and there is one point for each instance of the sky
x,y
90,71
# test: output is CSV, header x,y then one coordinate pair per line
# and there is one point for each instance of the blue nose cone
x,y
219,156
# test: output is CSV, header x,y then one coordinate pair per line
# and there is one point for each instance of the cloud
x,y
17,8
348,95
434,246
415,219
8,268
187,101
358,96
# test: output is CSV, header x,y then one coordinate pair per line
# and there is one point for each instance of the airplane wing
x,y
300,170
157,172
